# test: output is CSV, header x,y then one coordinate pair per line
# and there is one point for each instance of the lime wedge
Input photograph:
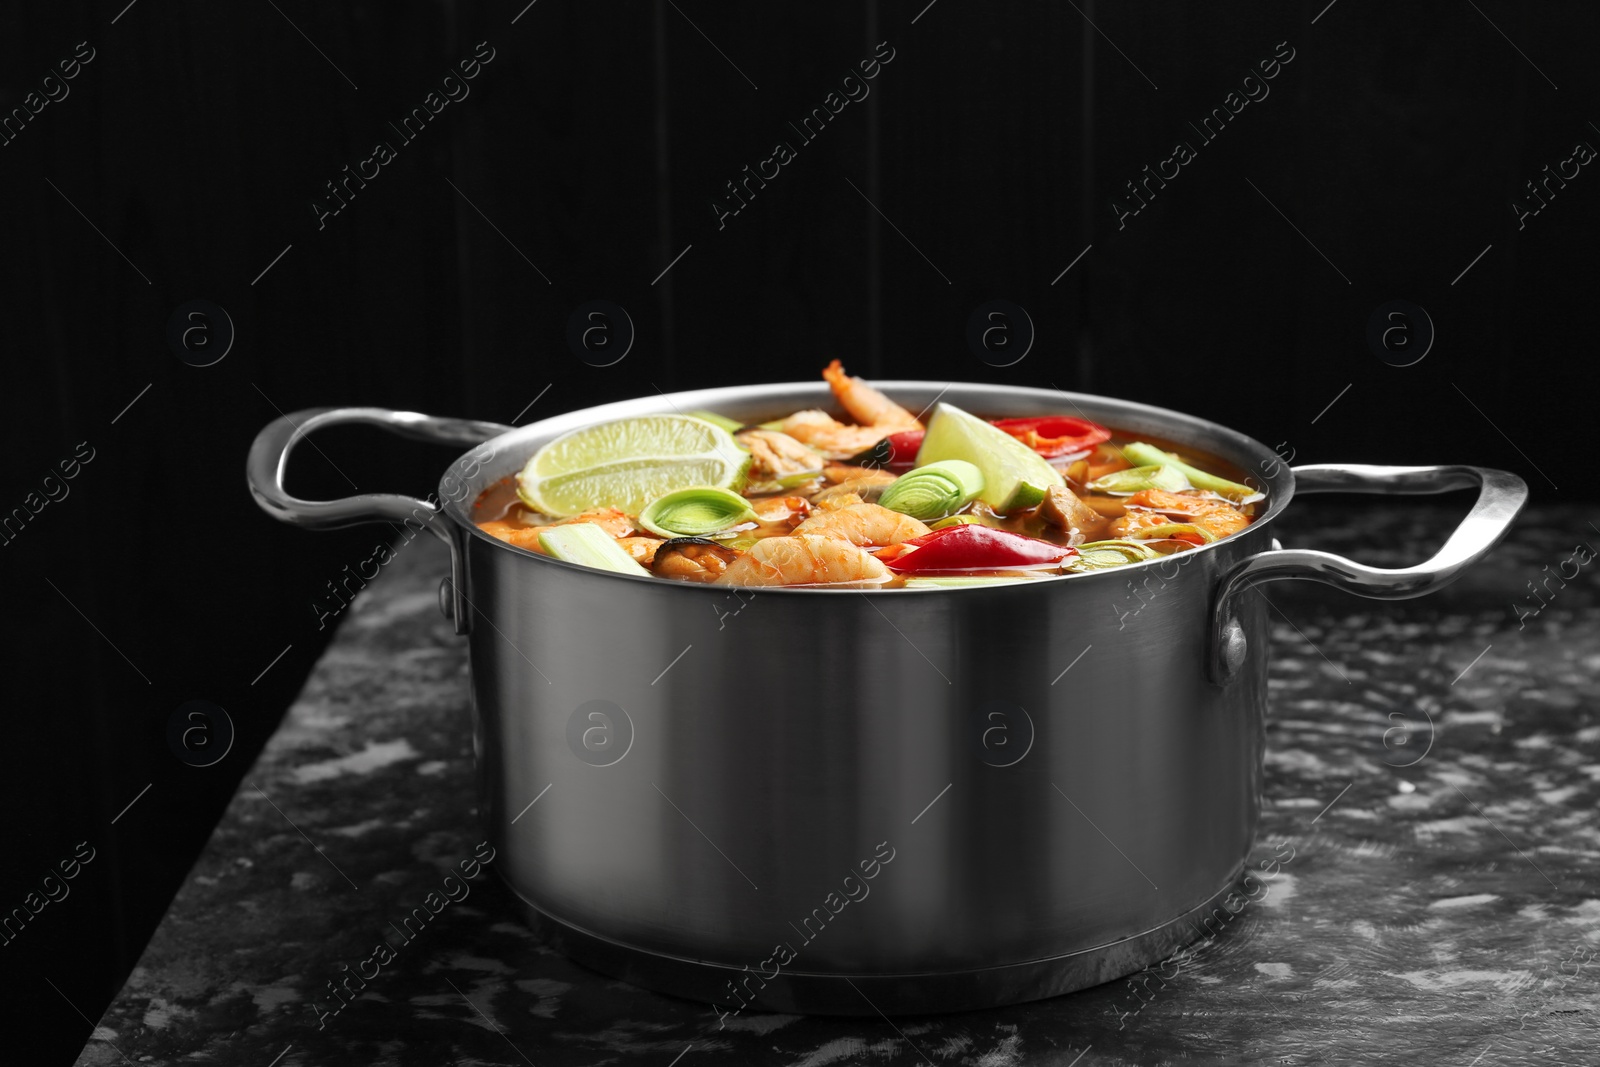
x,y
1014,476
628,463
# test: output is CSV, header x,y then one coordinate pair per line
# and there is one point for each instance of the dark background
x,y
189,150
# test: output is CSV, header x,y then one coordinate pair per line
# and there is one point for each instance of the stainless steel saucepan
x,y
837,801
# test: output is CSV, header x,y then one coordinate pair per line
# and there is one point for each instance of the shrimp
x,y
853,490
1153,507
614,521
788,510
803,560
775,456
876,416
1134,521
831,501
864,403
839,473
642,549
863,524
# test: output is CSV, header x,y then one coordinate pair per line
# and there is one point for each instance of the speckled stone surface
x,y
1431,768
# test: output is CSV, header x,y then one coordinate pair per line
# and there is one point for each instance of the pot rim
x,y
1184,429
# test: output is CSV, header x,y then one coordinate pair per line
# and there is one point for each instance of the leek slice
x,y
1147,454
695,512
1099,555
1166,530
954,520
1155,476
934,490
589,545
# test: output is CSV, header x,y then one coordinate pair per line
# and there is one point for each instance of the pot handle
x,y
269,461
1500,496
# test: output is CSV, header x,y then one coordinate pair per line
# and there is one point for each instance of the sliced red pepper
x,y
1055,435
898,450
1048,435
974,547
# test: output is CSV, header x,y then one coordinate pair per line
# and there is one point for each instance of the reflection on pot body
x,y
1146,587
854,889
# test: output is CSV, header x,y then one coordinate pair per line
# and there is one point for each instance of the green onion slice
x,y
957,581
1155,476
696,512
1099,555
934,490
1168,530
1147,454
589,545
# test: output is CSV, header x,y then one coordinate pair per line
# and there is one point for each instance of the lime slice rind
x,y
629,462
650,435
628,485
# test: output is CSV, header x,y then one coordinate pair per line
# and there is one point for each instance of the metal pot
x,y
834,801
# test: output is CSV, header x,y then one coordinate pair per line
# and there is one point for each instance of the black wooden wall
x,y
183,161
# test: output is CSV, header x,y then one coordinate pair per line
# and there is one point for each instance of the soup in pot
x,y
881,501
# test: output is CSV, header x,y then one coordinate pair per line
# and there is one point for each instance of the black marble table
x,y
1431,771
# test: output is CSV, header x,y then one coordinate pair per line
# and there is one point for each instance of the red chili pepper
x,y
898,450
1055,435
974,547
